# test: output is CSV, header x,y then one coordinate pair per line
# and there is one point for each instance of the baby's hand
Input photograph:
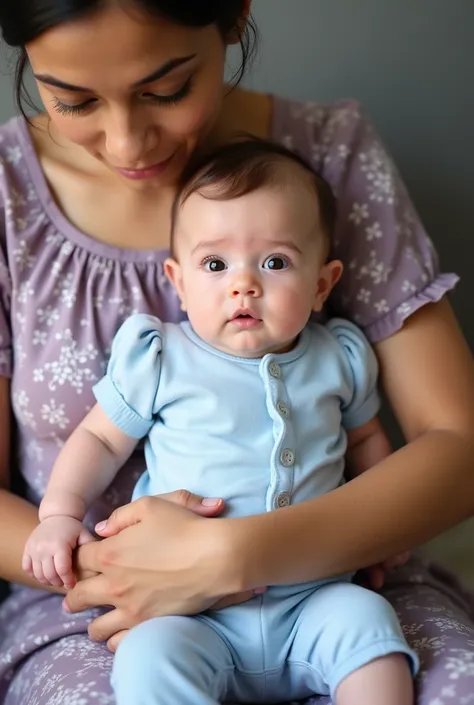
x,y
48,551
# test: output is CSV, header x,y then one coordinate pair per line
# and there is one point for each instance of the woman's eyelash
x,y
184,91
64,109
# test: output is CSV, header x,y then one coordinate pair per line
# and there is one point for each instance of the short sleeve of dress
x,y
361,370
5,303
390,266
128,391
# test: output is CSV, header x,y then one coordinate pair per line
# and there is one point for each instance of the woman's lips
x,y
148,172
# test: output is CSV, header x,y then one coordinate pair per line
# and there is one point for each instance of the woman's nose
x,y
127,140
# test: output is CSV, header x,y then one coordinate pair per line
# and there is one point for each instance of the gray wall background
x,y
411,64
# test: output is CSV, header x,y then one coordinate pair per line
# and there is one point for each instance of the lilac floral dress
x,y
63,295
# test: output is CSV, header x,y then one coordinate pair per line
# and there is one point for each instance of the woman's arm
x,y
18,518
417,492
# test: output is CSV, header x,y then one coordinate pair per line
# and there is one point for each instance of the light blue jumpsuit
x,y
263,434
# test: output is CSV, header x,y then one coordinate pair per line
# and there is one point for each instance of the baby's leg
x,y
353,647
387,680
171,661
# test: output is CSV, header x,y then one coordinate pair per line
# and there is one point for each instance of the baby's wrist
x,y
61,504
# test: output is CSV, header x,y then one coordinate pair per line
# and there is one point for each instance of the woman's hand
x,y
159,556
374,576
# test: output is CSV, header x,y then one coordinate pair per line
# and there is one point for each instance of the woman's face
x,y
136,91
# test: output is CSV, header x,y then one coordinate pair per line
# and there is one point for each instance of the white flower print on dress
x,y
373,232
65,289
364,295
311,114
379,172
449,691
360,212
375,269
19,351
55,414
404,309
14,155
54,238
25,292
343,151
435,644
382,306
23,257
445,624
40,337
71,367
408,287
460,665
34,450
48,315
21,402
127,303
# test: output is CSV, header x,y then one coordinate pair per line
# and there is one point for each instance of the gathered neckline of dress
x,y
64,225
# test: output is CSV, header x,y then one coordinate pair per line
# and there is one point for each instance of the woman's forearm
x,y
18,518
412,495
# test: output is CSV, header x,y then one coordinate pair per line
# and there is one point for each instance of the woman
x,y
131,90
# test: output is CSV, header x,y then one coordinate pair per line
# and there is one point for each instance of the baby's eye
x,y
276,262
214,264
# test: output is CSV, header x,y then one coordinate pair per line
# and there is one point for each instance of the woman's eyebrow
x,y
160,72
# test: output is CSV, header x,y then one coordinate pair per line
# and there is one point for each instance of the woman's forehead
x,y
120,38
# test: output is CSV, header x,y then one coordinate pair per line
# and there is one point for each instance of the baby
x,y
250,402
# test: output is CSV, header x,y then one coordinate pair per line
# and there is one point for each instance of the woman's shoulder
x,y
325,133
16,153
289,115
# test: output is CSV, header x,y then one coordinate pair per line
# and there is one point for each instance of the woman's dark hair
x,y
243,166
21,21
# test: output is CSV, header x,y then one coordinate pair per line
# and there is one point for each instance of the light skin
x,y
246,277
426,371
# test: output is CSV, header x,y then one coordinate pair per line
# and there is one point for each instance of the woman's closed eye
x,y
171,99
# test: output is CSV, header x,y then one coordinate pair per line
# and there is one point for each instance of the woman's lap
x,y
436,615
71,671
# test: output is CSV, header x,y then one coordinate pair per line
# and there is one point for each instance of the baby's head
x,y
251,230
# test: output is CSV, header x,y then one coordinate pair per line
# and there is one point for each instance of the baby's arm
x,y
366,446
86,465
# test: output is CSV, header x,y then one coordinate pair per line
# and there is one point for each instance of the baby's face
x,y
252,269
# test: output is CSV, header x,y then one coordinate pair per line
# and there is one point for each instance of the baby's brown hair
x,y
240,167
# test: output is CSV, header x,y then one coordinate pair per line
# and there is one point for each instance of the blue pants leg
x,y
341,628
172,661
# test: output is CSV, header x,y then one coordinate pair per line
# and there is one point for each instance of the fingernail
x,y
260,590
210,502
100,526
65,607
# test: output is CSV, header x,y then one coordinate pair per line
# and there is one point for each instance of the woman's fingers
x,y
105,626
133,513
237,599
92,592
115,640
396,561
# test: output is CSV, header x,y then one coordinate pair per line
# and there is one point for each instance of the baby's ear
x,y
173,272
328,277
